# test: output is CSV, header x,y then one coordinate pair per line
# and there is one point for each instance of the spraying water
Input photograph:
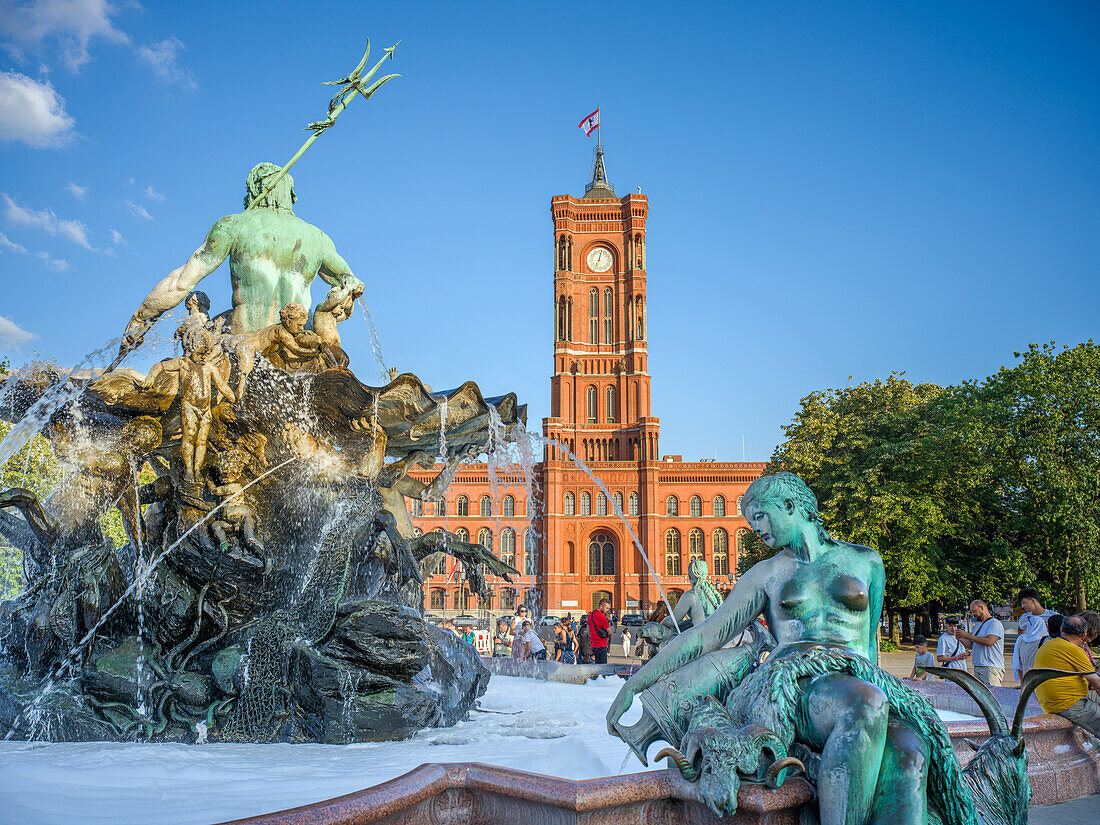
x,y
375,344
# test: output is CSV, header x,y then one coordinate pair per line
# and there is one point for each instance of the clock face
x,y
599,260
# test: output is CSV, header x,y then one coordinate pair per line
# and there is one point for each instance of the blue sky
x,y
840,189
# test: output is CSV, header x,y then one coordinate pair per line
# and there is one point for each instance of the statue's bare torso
x,y
273,258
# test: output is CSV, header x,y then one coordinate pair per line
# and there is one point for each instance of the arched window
x,y
417,508
672,552
618,503
562,318
721,552
438,599
586,504
695,505
591,398
438,565
739,500
530,554
633,504
463,506
639,318
509,506
485,538
672,506
612,409
593,316
441,507
462,599
507,598
601,504
508,546
561,252
569,504
695,545
486,506
601,555
741,536
719,505
608,312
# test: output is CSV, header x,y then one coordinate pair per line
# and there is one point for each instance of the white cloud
x,y
11,246
139,211
73,24
152,194
47,221
32,111
56,264
117,239
77,192
12,334
161,58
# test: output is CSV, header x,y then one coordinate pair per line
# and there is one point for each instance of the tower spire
x,y
599,187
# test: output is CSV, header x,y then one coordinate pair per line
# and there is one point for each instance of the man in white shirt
x,y
987,643
1033,629
950,651
534,648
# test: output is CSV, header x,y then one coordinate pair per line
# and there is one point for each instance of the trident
x,y
351,85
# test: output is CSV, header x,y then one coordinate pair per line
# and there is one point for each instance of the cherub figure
x,y
288,345
337,307
198,314
196,378
235,514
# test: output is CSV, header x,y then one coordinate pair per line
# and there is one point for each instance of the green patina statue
x,y
273,258
875,749
691,609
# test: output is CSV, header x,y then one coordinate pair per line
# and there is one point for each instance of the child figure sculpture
x,y
235,514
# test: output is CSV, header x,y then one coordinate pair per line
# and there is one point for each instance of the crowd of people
x,y
584,640
1045,639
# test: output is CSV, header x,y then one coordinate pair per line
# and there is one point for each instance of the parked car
x,y
548,621
431,618
633,620
466,621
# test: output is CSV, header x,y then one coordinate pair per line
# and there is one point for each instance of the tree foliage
x,y
966,491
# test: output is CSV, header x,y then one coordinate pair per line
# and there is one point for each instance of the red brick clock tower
x,y
599,393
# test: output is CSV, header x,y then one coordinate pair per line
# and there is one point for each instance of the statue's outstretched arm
x,y
745,603
877,590
171,291
335,271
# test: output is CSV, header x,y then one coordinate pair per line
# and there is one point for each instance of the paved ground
x,y
1084,811
899,664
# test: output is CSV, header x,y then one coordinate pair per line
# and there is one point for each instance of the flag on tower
x,y
591,123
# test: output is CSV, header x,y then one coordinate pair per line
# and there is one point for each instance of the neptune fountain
x,y
270,589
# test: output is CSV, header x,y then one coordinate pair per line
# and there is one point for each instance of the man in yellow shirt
x,y
1069,696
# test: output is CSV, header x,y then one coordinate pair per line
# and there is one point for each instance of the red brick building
x,y
577,550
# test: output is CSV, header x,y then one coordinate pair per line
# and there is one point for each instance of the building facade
x,y
640,517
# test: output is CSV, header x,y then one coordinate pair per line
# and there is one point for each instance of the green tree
x,y
1040,426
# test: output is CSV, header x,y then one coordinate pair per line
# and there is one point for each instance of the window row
x,y
601,504
463,599
672,505
720,560
695,506
507,549
611,409
462,506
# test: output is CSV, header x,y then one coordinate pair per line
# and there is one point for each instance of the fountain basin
x,y
1063,760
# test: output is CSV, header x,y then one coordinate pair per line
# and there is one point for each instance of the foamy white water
x,y
559,730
